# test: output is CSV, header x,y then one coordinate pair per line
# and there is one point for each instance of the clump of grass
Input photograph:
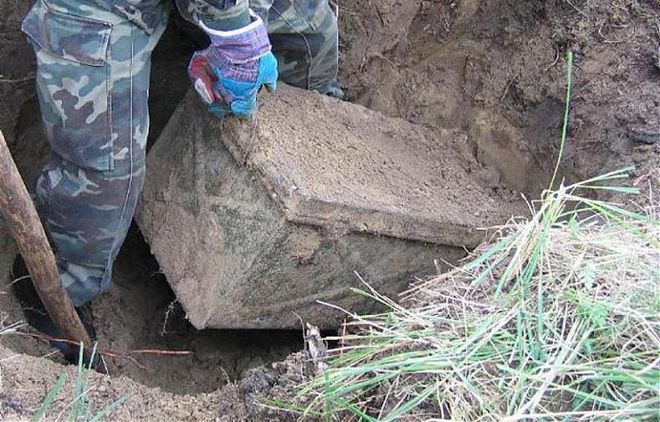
x,y
79,408
557,317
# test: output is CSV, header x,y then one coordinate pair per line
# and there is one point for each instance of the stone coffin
x,y
254,221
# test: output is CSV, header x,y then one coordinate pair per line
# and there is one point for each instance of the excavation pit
x,y
492,70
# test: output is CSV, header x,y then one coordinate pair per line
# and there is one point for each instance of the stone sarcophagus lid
x,y
254,221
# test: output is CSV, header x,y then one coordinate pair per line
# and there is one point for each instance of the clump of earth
x,y
495,70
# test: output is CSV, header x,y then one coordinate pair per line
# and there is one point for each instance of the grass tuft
x,y
557,317
80,408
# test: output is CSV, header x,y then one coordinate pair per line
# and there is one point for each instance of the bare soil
x,y
497,70
140,312
494,69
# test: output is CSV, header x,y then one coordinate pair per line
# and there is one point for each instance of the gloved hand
x,y
228,74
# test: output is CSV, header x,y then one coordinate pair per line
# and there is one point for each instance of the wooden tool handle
x,y
25,227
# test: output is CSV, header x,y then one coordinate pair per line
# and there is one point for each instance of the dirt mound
x,y
26,380
139,313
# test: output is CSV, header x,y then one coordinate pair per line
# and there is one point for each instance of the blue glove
x,y
229,74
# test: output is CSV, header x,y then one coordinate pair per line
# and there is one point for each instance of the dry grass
x,y
557,317
7,327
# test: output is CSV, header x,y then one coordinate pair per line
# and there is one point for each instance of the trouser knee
x,y
87,212
304,36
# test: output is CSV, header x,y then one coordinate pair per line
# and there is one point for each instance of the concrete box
x,y
253,221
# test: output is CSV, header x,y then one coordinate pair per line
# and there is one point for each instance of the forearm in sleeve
x,y
222,15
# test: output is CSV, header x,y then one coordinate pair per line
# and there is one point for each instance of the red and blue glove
x,y
229,74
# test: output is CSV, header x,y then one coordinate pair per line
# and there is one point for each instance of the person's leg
x,y
305,41
93,83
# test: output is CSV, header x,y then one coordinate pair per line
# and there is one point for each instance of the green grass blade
x,y
50,397
567,107
106,411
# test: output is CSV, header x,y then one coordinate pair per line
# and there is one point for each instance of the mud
x,y
26,380
494,69
141,312
16,66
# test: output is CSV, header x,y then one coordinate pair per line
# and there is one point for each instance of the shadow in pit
x,y
140,312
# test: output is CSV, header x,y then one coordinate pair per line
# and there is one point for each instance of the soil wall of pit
x,y
497,69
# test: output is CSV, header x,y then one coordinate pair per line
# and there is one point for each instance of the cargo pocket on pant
x,y
73,84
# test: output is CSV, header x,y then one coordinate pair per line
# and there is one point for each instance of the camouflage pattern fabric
x,y
94,59
215,14
305,41
92,84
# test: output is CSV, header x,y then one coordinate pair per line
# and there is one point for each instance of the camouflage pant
x,y
93,86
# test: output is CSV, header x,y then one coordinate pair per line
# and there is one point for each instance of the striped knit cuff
x,y
241,45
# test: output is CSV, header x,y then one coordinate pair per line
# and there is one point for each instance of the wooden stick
x,y
25,227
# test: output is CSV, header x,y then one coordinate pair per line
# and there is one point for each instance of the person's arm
x,y
223,15
229,73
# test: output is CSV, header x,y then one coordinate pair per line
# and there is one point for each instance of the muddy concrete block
x,y
255,221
